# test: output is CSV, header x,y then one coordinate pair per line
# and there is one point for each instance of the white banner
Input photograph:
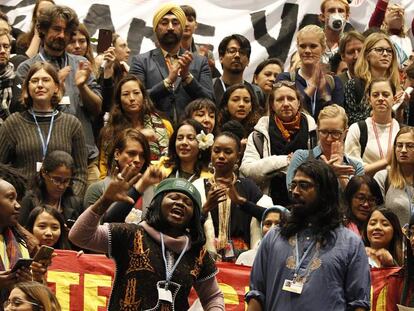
x,y
270,25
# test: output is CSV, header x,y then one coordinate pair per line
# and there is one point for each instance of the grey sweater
x,y
20,144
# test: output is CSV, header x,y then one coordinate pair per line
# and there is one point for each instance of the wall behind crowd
x,y
269,25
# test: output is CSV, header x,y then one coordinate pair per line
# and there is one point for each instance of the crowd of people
x,y
170,165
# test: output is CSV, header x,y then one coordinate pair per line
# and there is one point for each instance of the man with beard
x,y
173,76
7,76
312,262
234,54
82,96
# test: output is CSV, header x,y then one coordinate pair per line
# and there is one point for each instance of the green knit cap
x,y
179,185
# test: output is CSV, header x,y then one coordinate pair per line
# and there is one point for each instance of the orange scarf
x,y
288,128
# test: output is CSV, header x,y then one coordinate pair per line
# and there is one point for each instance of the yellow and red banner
x,y
84,283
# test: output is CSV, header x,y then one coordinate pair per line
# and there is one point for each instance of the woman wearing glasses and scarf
x,y
274,139
332,129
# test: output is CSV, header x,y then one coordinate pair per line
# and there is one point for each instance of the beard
x,y
303,210
169,39
57,45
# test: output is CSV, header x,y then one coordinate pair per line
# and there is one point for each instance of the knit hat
x,y
179,185
164,9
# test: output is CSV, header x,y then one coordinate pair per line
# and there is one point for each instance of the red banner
x,y
84,283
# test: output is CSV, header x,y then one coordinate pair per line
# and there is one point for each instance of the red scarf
x,y
12,249
288,128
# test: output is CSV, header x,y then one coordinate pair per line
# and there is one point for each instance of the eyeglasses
x,y
233,51
381,51
335,134
408,146
362,198
302,185
17,302
57,181
287,83
36,81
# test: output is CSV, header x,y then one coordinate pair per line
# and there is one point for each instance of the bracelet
x,y
168,84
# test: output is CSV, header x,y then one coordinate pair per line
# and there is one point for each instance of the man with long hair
x,y
312,262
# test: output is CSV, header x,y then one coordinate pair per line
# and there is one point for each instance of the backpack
x,y
363,137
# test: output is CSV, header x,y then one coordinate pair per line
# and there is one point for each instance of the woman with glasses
x,y
361,196
31,296
27,137
317,88
275,138
391,19
376,60
52,186
397,181
383,239
371,142
332,129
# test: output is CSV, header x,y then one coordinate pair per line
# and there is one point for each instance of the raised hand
x,y
108,62
120,184
185,61
215,196
152,175
83,73
63,73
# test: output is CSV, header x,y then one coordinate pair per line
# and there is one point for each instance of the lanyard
x,y
169,273
39,131
222,83
374,126
305,254
190,179
44,59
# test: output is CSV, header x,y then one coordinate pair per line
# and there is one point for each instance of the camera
x,y
336,22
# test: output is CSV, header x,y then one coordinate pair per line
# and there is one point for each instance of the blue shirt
x,y
339,277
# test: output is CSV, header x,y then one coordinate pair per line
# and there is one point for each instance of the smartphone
x,y
104,40
22,263
44,253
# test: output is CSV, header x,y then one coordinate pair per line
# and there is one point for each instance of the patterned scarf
x,y
13,251
6,83
158,148
288,128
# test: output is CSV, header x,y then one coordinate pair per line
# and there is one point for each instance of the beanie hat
x,y
179,185
164,9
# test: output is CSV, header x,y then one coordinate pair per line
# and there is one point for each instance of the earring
x,y
211,168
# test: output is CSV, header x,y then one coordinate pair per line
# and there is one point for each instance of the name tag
x,y
164,294
38,166
293,287
65,100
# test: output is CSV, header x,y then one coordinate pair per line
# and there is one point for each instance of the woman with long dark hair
x,y
48,226
361,195
239,103
383,239
188,153
52,185
133,109
160,259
